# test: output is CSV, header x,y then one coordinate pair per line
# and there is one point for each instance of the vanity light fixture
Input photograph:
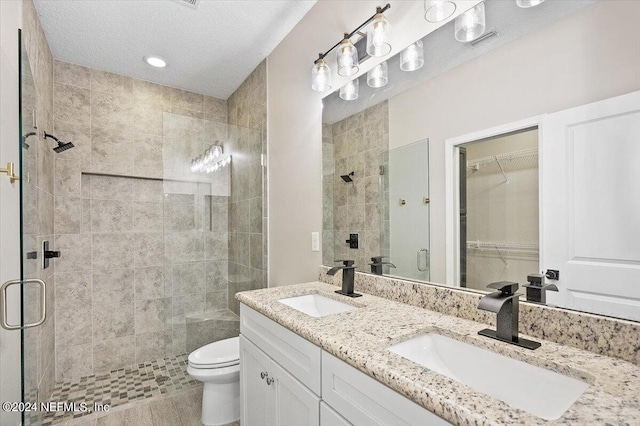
x,y
321,75
412,57
378,76
471,24
211,161
347,57
155,61
525,4
349,92
438,10
377,45
378,34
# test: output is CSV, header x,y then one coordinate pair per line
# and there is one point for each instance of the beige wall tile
x,y
72,74
149,283
112,319
114,353
72,104
151,315
74,361
113,285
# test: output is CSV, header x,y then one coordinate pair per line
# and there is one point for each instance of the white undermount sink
x,y
316,305
541,392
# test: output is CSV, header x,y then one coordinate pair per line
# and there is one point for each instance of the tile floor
x,y
165,377
180,409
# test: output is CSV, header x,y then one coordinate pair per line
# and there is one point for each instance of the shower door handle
x,y
9,170
4,320
426,252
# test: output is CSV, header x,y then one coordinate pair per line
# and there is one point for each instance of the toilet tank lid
x,y
220,352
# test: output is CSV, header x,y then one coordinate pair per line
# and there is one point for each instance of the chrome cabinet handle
x,y
426,252
270,380
264,374
3,304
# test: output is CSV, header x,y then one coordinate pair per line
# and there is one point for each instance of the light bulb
x,y
378,35
349,92
471,24
378,76
525,4
412,57
347,58
321,76
438,10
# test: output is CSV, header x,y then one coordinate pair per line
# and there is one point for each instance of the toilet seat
x,y
220,354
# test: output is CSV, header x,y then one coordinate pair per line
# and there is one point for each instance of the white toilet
x,y
218,366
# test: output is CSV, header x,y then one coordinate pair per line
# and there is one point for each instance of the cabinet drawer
x,y
295,354
363,400
328,417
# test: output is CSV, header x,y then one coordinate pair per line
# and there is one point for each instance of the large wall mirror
x,y
508,158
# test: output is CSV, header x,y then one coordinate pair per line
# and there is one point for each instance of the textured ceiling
x,y
209,50
442,52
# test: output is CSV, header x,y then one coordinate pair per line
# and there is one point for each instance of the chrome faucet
x,y
377,264
504,302
348,277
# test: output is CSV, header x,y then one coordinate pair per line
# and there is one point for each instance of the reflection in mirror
x,y
499,193
499,210
408,205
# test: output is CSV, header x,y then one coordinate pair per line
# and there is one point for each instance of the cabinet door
x,y
256,396
295,405
328,417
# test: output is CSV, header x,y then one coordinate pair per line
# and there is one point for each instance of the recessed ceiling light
x,y
155,61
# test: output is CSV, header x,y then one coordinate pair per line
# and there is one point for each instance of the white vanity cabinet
x,y
270,395
279,374
287,380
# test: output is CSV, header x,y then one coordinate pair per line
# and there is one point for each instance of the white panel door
x,y
591,206
256,396
295,404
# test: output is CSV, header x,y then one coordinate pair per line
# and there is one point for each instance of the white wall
x,y
591,55
295,127
10,21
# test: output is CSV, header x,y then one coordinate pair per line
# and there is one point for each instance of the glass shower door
x,y
32,285
408,199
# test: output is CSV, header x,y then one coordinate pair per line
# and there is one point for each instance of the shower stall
x,y
145,251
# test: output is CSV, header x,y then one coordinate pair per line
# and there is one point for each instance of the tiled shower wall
x,y
38,201
360,145
247,107
116,304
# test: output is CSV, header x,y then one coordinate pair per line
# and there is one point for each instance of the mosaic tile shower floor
x,y
122,386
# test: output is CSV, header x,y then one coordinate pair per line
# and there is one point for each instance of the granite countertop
x,y
361,338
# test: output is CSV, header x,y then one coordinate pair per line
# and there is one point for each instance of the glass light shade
x,y
438,10
471,24
320,76
378,36
528,3
412,57
347,58
378,76
349,92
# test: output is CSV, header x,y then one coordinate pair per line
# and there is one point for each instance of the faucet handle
x,y
347,263
378,259
507,288
535,279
